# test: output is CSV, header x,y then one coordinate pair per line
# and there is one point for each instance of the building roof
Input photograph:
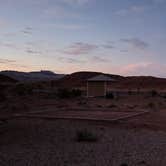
x,y
101,77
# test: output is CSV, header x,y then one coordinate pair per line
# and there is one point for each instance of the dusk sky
x,y
126,37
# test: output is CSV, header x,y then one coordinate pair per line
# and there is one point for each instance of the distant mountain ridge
x,y
32,76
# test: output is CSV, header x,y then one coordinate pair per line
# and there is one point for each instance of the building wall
x,y
96,89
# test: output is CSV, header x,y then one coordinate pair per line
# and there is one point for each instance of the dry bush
x,y
154,93
23,89
110,95
82,103
85,136
66,93
2,97
123,164
112,106
152,106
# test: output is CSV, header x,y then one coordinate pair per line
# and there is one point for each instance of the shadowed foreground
x,y
53,143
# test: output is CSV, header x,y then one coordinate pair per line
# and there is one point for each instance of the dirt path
x,y
84,115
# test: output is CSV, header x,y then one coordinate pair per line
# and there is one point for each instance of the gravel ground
x,y
27,142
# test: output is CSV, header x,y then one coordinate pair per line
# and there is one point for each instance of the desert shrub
x,y
99,106
123,164
76,93
2,96
112,106
52,95
66,93
82,103
129,92
138,90
142,163
109,95
85,136
63,93
152,106
23,89
164,96
154,93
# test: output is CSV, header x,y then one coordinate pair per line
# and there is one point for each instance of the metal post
x,y
87,93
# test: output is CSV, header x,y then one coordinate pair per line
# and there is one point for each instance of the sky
x,y
126,37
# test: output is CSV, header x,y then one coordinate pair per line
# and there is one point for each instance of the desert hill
x,y
142,82
78,79
5,79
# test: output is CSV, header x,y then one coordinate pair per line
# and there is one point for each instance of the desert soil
x,y
29,142
52,142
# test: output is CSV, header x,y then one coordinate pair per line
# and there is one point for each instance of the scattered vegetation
x,y
63,93
110,95
86,136
163,96
82,103
152,105
99,106
132,106
138,90
2,96
76,93
142,163
23,89
129,92
154,93
112,106
66,93
123,164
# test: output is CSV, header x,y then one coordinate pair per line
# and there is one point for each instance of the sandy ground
x,y
155,120
125,103
35,142
52,143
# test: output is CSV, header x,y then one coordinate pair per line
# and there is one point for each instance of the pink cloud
x,y
144,68
80,48
136,66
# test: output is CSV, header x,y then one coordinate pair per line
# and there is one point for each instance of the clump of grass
x,y
110,95
123,164
23,89
85,136
129,92
66,93
112,106
132,106
82,103
99,106
152,106
2,97
76,93
154,93
164,96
